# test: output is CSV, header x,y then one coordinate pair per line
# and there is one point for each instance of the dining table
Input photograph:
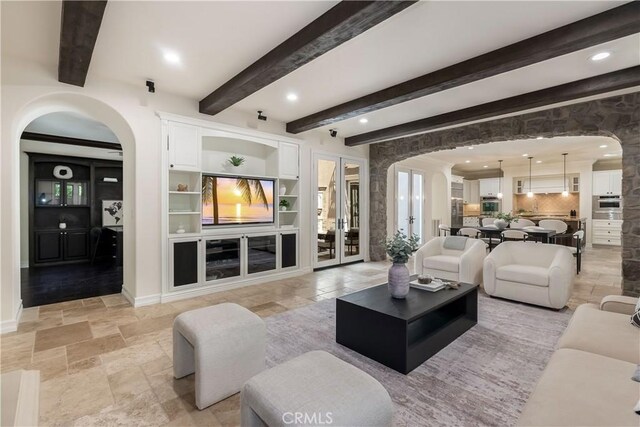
x,y
542,234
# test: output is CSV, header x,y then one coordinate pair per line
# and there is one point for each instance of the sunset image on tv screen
x,y
236,200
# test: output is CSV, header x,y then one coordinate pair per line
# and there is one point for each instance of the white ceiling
x,y
546,151
72,125
216,40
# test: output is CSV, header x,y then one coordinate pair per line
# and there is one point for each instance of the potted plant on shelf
x,y
504,219
284,205
236,161
399,248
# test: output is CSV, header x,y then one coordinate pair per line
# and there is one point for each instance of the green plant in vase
x,y
504,219
284,205
236,161
399,248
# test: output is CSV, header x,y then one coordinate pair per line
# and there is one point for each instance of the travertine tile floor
x,y
103,362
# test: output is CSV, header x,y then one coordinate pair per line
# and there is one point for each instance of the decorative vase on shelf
x,y
283,189
500,224
62,225
180,229
283,208
398,280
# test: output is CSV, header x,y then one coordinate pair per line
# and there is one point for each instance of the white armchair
x,y
436,257
534,274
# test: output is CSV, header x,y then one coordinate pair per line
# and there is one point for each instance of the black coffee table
x,y
402,334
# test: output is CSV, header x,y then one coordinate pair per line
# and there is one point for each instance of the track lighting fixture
x,y
261,117
333,132
151,86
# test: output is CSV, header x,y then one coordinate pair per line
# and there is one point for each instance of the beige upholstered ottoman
x,y
223,344
315,389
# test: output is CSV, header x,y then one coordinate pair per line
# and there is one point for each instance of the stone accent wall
x,y
617,117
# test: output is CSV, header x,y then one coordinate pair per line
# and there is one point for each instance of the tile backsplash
x,y
554,204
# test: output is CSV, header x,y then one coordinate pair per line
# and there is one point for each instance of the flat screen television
x,y
237,200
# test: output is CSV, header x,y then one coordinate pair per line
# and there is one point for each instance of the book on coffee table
x,y
431,287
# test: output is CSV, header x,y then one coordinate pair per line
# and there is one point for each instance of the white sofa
x,y
461,265
588,379
534,274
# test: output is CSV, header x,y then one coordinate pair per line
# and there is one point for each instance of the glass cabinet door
x,y
48,192
76,193
222,258
261,253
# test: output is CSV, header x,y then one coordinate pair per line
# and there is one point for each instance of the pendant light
x,y
565,193
530,193
500,195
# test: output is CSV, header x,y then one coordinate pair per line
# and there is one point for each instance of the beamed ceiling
x,y
407,67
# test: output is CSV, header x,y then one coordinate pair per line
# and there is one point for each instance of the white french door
x,y
410,202
338,218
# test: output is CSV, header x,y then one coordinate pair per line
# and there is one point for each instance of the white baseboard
x,y
140,301
212,289
12,324
24,264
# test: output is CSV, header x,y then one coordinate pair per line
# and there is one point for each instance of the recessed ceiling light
x,y
364,120
600,56
538,161
609,155
540,137
292,97
467,161
525,155
171,57
604,146
485,166
470,148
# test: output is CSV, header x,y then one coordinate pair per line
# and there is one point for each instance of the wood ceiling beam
x,y
57,139
622,79
78,34
339,24
603,27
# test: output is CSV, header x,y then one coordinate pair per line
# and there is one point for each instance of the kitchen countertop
x,y
537,217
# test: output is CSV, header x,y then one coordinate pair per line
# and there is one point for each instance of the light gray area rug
x,y
482,378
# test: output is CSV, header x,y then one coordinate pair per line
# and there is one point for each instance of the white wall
x,y
24,83
429,168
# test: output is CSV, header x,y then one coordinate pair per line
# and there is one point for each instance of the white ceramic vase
x,y
500,224
398,280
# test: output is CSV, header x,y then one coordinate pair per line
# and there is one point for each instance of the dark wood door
x,y
76,245
48,246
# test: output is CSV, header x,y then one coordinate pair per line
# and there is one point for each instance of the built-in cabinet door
x,y
223,258
75,244
607,183
184,147
184,267
48,246
489,187
261,253
288,250
288,159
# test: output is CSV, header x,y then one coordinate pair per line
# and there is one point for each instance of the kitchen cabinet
x,y
184,147
607,232
489,187
607,183
288,159
471,191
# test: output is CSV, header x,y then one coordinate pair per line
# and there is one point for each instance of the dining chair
x,y
514,235
491,241
554,224
488,221
469,232
443,230
521,223
578,236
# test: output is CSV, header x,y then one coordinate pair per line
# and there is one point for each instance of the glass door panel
x,y
351,208
403,202
222,259
76,193
48,192
261,253
416,219
326,213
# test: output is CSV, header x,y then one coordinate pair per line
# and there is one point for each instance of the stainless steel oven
x,y
490,205
607,207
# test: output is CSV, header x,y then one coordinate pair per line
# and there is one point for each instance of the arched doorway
x,y
616,117
73,103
